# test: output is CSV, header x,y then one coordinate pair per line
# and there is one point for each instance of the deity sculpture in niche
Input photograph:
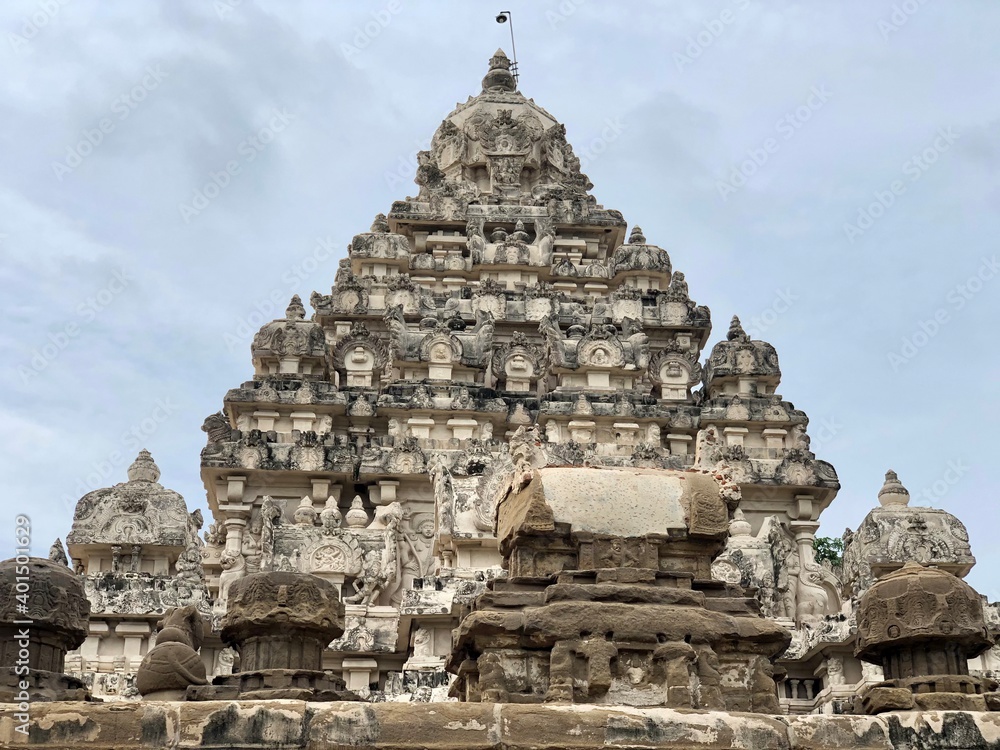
x,y
416,553
380,575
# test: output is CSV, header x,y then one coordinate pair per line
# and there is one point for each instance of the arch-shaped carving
x,y
128,529
441,347
518,364
600,348
360,357
675,371
339,555
407,458
349,295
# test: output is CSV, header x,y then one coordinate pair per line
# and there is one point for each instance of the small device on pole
x,y
504,17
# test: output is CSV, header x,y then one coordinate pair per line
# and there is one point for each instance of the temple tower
x,y
371,445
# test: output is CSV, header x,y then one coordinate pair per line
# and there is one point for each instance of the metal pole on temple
x,y
505,17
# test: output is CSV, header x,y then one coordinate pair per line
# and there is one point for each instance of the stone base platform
x,y
473,726
269,684
42,686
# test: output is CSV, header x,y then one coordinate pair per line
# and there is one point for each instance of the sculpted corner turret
x,y
895,533
138,553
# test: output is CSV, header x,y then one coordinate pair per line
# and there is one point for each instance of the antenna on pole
x,y
504,17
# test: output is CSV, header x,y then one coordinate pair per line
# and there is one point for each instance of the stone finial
x,y
357,516
295,310
636,237
57,554
893,492
381,224
739,526
736,331
143,469
519,235
499,77
498,235
305,513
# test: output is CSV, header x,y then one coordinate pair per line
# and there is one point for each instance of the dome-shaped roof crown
x,y
637,255
895,533
139,511
739,355
292,335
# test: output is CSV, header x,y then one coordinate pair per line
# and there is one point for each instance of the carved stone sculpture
x,y
922,625
43,614
279,624
497,322
894,533
174,662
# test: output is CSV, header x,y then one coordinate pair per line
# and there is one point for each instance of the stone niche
x,y
609,598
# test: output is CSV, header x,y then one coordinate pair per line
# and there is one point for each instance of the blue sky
x,y
828,171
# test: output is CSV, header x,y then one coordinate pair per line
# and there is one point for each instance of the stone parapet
x,y
469,726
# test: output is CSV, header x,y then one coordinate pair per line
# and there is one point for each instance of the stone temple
x,y
497,464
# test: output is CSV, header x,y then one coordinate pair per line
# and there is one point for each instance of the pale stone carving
x,y
233,569
498,322
357,516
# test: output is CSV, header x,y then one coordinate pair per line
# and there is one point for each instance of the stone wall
x,y
469,726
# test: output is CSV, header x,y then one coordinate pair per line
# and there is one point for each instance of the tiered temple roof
x,y
495,325
371,445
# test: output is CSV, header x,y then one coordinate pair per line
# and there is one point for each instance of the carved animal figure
x,y
174,663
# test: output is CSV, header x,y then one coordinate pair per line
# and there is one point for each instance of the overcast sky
x,y
827,171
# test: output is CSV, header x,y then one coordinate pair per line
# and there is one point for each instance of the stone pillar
x,y
805,535
43,614
922,625
134,634
280,624
358,674
88,651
